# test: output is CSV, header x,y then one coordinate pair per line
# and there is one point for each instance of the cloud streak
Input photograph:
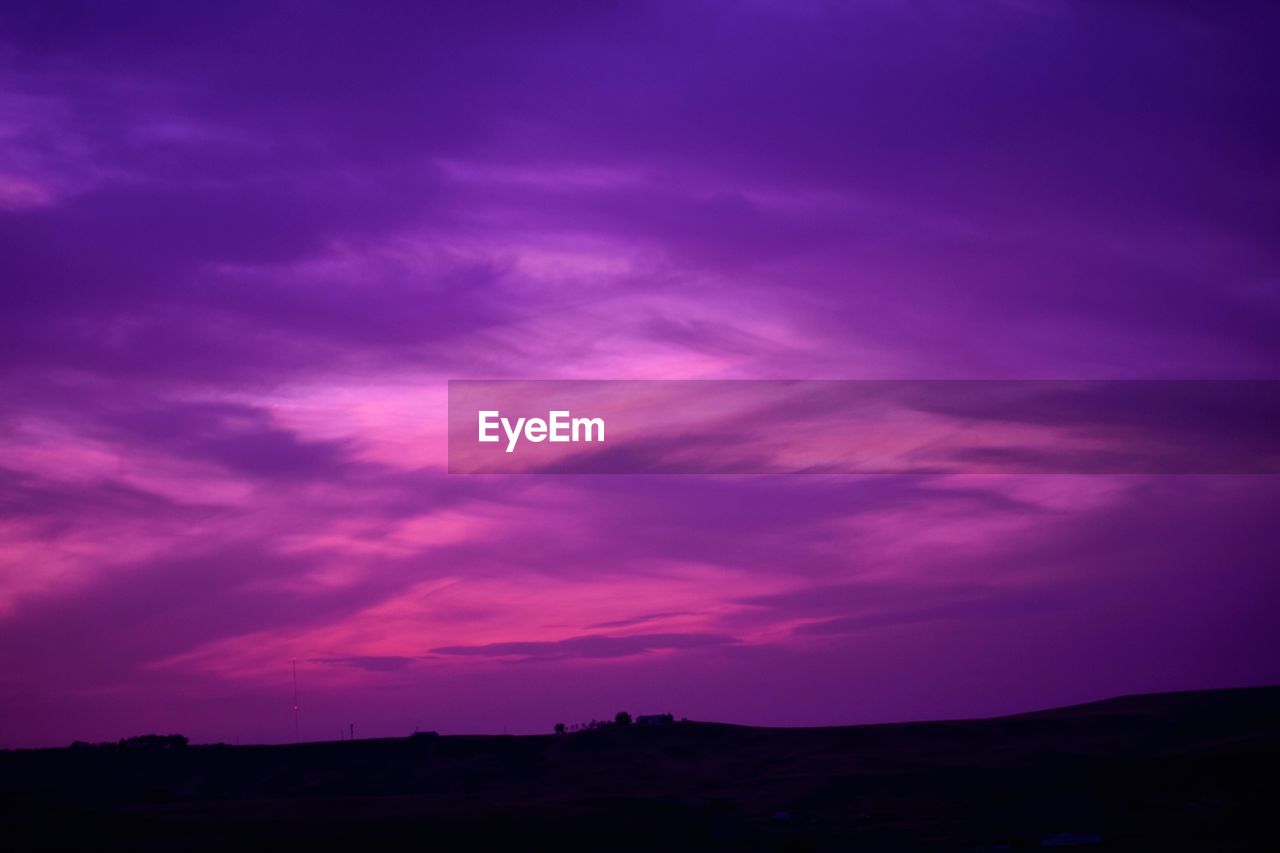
x,y
588,646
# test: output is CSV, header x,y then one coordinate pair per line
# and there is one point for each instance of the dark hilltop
x,y
1168,771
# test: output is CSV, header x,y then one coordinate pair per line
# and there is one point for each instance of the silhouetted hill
x,y
1241,701
1158,772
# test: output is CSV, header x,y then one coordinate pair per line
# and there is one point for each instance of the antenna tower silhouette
x,y
297,731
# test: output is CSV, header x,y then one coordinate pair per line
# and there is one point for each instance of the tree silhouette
x,y
559,728
622,719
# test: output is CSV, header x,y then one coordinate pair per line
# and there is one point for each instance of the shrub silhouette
x,y
154,742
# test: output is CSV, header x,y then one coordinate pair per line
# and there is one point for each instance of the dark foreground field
x,y
1173,771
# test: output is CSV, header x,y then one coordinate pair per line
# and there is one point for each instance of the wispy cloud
x,y
588,646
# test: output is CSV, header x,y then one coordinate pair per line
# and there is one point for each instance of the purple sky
x,y
243,249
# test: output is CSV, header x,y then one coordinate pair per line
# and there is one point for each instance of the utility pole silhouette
x,y
297,731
